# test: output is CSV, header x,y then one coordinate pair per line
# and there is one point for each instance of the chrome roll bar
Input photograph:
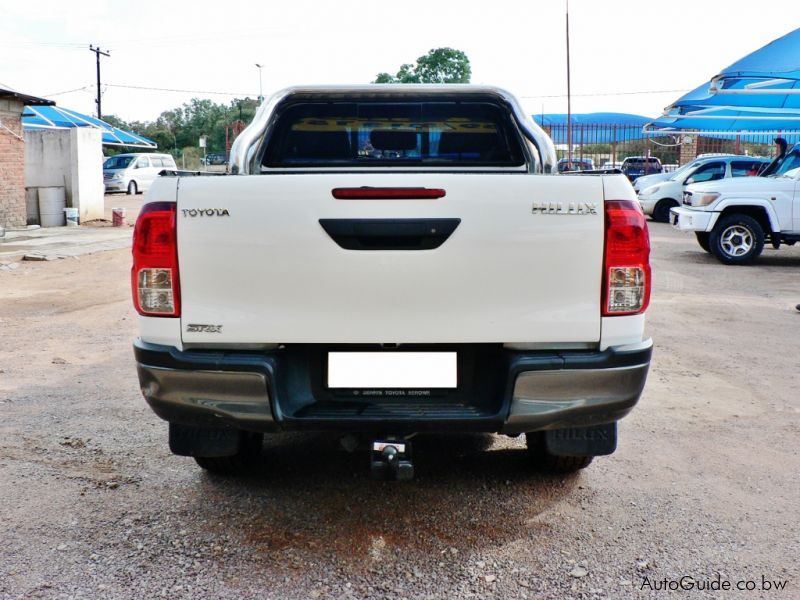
x,y
243,151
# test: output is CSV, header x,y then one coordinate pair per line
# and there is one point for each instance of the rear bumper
x,y
507,391
647,205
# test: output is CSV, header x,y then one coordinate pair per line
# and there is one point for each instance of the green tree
x,y
440,65
179,128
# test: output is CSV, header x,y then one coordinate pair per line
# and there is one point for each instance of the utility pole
x,y
569,102
97,53
260,90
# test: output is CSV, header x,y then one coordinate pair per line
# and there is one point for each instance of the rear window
x,y
638,163
366,134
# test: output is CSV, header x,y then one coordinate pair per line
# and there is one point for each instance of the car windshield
x,y
789,166
680,170
680,173
686,171
117,162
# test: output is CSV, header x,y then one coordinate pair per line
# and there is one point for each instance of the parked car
x,y
732,219
658,199
646,181
576,164
383,293
134,173
636,166
215,158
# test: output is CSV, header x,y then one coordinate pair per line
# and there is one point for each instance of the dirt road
x,y
705,484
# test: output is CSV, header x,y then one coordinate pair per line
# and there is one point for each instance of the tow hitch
x,y
391,459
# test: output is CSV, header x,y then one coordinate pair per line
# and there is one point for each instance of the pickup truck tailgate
x,y
255,259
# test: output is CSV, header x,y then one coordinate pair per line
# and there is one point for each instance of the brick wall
x,y
12,165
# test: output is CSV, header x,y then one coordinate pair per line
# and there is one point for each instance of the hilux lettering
x,y
557,208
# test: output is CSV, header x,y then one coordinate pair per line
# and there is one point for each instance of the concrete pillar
x,y
86,173
688,148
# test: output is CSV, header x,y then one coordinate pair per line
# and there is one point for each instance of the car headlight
x,y
650,191
116,176
704,199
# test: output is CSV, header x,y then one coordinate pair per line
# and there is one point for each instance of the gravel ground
x,y
705,483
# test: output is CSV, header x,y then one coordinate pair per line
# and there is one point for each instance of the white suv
x,y
657,200
732,219
133,173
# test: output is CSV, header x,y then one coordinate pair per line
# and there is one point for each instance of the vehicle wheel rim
x,y
736,240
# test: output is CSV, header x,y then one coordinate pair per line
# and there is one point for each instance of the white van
x,y
133,173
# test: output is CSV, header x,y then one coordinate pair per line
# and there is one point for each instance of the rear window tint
x,y
638,163
385,134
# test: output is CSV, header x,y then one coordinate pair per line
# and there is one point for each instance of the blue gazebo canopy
x,y
759,93
56,117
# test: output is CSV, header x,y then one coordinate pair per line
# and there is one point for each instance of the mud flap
x,y
185,440
597,440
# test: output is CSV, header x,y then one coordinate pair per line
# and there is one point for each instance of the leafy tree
x,y
181,127
440,65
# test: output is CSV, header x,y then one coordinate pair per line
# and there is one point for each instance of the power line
x,y
158,89
63,45
595,94
219,93
80,89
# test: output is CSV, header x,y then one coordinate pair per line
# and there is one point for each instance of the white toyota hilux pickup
x,y
386,260
733,218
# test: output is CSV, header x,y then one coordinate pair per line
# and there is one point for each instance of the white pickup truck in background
x,y
733,218
386,260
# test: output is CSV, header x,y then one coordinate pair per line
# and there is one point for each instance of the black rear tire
x,y
661,210
550,462
702,239
736,239
248,454
133,189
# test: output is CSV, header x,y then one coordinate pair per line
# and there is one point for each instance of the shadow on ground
x,y
470,490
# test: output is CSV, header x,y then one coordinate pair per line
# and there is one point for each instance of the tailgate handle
x,y
389,234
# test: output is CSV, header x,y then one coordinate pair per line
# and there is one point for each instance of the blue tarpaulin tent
x,y
759,93
55,117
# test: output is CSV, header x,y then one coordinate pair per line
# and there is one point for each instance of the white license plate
x,y
385,370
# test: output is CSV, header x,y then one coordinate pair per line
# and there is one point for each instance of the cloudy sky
x,y
627,56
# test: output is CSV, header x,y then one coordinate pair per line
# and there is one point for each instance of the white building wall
x,y
72,158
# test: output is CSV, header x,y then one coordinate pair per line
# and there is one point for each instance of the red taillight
x,y
154,276
626,266
393,193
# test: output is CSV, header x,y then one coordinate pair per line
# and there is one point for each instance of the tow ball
x,y
391,459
